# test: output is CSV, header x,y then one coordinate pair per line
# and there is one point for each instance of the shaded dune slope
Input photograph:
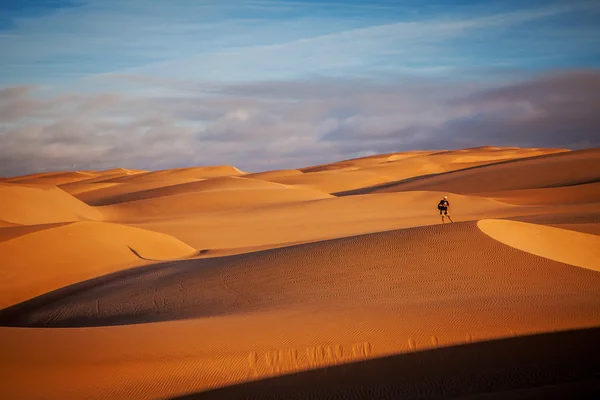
x,y
545,171
557,365
427,272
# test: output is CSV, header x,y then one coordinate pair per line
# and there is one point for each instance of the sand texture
x,y
330,281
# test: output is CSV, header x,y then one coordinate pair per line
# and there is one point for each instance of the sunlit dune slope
x,y
180,173
115,187
553,170
170,188
108,192
272,312
363,162
41,204
566,246
381,169
334,180
189,203
48,258
326,218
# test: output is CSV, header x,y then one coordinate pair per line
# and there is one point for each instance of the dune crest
x,y
566,246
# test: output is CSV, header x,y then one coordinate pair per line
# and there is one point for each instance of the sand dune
x,y
574,248
382,169
335,301
334,180
126,185
41,204
47,258
179,173
267,175
53,178
327,218
186,280
96,194
130,192
571,194
189,203
77,188
553,170
362,162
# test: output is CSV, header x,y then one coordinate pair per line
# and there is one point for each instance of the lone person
x,y
443,206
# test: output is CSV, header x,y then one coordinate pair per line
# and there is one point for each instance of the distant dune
x,y
216,283
41,204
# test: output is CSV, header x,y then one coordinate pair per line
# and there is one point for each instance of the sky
x,y
266,84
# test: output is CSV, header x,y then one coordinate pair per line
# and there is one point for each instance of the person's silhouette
x,y
443,206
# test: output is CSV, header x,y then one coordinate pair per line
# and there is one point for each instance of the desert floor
x,y
331,280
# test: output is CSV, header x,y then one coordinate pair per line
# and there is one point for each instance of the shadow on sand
x,y
557,365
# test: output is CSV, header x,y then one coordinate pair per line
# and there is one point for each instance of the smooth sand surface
x,y
213,282
574,248
41,204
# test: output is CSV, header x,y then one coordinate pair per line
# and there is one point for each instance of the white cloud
x,y
272,130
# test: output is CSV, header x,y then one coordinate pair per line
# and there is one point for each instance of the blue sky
x,y
198,64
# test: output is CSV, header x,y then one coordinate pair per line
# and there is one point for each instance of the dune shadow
x,y
13,232
556,365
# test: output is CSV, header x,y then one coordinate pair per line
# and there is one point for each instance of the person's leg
x,y
448,215
441,211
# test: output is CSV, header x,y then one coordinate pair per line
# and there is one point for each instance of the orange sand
x,y
127,284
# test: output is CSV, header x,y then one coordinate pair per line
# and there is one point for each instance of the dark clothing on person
x,y
443,206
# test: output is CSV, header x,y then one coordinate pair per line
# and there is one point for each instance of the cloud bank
x,y
288,124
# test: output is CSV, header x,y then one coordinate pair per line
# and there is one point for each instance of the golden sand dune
x,y
41,204
382,169
48,258
77,188
320,219
362,162
569,194
290,309
59,178
334,180
553,170
171,187
117,186
575,248
267,175
180,173
206,201
107,192
225,278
